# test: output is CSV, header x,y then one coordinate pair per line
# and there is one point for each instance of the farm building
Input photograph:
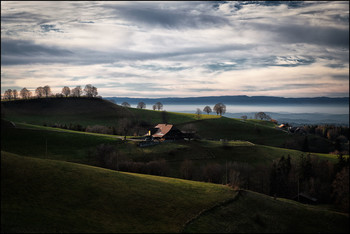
x,y
165,132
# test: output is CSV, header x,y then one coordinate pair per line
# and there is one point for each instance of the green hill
x,y
83,111
41,195
90,112
257,213
74,146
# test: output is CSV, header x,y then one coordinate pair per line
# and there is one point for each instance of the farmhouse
x,y
165,132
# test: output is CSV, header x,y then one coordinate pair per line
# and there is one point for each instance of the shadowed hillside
x,y
257,213
83,111
41,195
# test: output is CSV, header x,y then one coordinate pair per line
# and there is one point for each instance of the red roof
x,y
162,130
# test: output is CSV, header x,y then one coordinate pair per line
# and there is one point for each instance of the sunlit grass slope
x,y
39,195
156,117
257,213
85,111
256,131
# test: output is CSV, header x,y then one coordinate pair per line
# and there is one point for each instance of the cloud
x,y
166,16
178,48
308,34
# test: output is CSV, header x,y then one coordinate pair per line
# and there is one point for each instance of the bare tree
x,y
90,91
124,126
220,108
8,94
77,91
125,104
187,169
94,91
212,173
66,91
262,115
25,93
207,109
198,113
46,90
159,106
141,105
154,107
15,94
234,178
340,187
39,92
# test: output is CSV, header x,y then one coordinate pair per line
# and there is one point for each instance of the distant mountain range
x,y
246,100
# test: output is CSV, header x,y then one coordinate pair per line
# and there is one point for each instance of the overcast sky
x,y
177,49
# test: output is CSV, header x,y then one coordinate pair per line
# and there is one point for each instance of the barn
x,y
165,132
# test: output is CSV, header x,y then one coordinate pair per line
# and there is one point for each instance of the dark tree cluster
x,y
74,127
337,138
107,156
320,179
156,167
325,181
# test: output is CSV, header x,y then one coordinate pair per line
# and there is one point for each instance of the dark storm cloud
x,y
15,52
168,18
340,77
318,35
25,52
29,48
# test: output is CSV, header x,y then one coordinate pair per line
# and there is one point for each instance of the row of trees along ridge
x,y
40,92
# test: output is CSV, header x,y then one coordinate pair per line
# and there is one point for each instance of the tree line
x,y
41,92
142,105
284,177
219,108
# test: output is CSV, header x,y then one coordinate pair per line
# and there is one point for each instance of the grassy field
x,y
49,182
256,131
257,213
89,112
85,112
155,117
79,147
52,144
41,195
